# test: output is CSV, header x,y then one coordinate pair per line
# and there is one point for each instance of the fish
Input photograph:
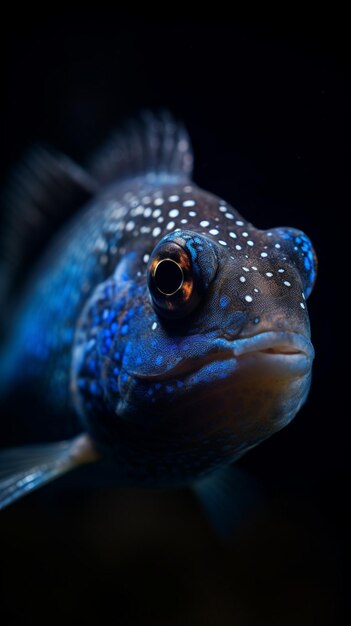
x,y
158,330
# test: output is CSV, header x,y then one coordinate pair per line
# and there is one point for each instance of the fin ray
x,y
151,144
44,190
24,469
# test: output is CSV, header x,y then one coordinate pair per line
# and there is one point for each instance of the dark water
x,y
267,110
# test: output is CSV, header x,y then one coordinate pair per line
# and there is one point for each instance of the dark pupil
x,y
168,277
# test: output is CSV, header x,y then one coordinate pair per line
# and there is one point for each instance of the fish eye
x,y
180,269
168,277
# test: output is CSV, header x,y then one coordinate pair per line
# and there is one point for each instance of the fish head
x,y
209,343
220,339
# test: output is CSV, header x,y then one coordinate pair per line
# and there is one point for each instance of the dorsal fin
x,y
43,191
155,144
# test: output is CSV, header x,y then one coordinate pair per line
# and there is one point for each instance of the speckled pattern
x,y
161,380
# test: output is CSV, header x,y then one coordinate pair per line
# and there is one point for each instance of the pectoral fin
x,y
24,469
230,498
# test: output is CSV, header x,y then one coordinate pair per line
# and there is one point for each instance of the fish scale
x,y
167,327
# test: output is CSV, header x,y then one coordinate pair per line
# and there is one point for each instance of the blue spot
x,y
150,392
94,389
159,359
307,263
116,371
114,327
124,329
180,384
92,366
169,388
256,320
158,386
138,360
108,343
224,301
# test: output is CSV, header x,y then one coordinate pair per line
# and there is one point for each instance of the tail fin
x,y
151,144
24,469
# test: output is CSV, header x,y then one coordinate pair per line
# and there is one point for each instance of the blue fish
x,y
155,324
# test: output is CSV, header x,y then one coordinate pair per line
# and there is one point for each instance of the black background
x,y
267,108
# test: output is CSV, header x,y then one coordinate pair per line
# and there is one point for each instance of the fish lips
x,y
274,364
288,353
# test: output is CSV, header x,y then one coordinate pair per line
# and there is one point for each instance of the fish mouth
x,y
287,354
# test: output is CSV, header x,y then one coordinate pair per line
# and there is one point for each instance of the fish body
x,y
161,323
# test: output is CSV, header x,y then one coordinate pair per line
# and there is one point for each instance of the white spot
x,y
245,234
154,326
302,293
302,305
160,219
237,247
223,243
156,213
269,234
188,189
242,279
239,223
246,269
281,270
138,211
250,243
189,203
192,213
269,274
214,231
130,225
248,298
232,235
158,201
173,213
277,245
146,258
256,290
263,254
204,223
146,200
222,209
286,282
147,212
170,225
229,216
184,221
253,267
156,231
173,198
